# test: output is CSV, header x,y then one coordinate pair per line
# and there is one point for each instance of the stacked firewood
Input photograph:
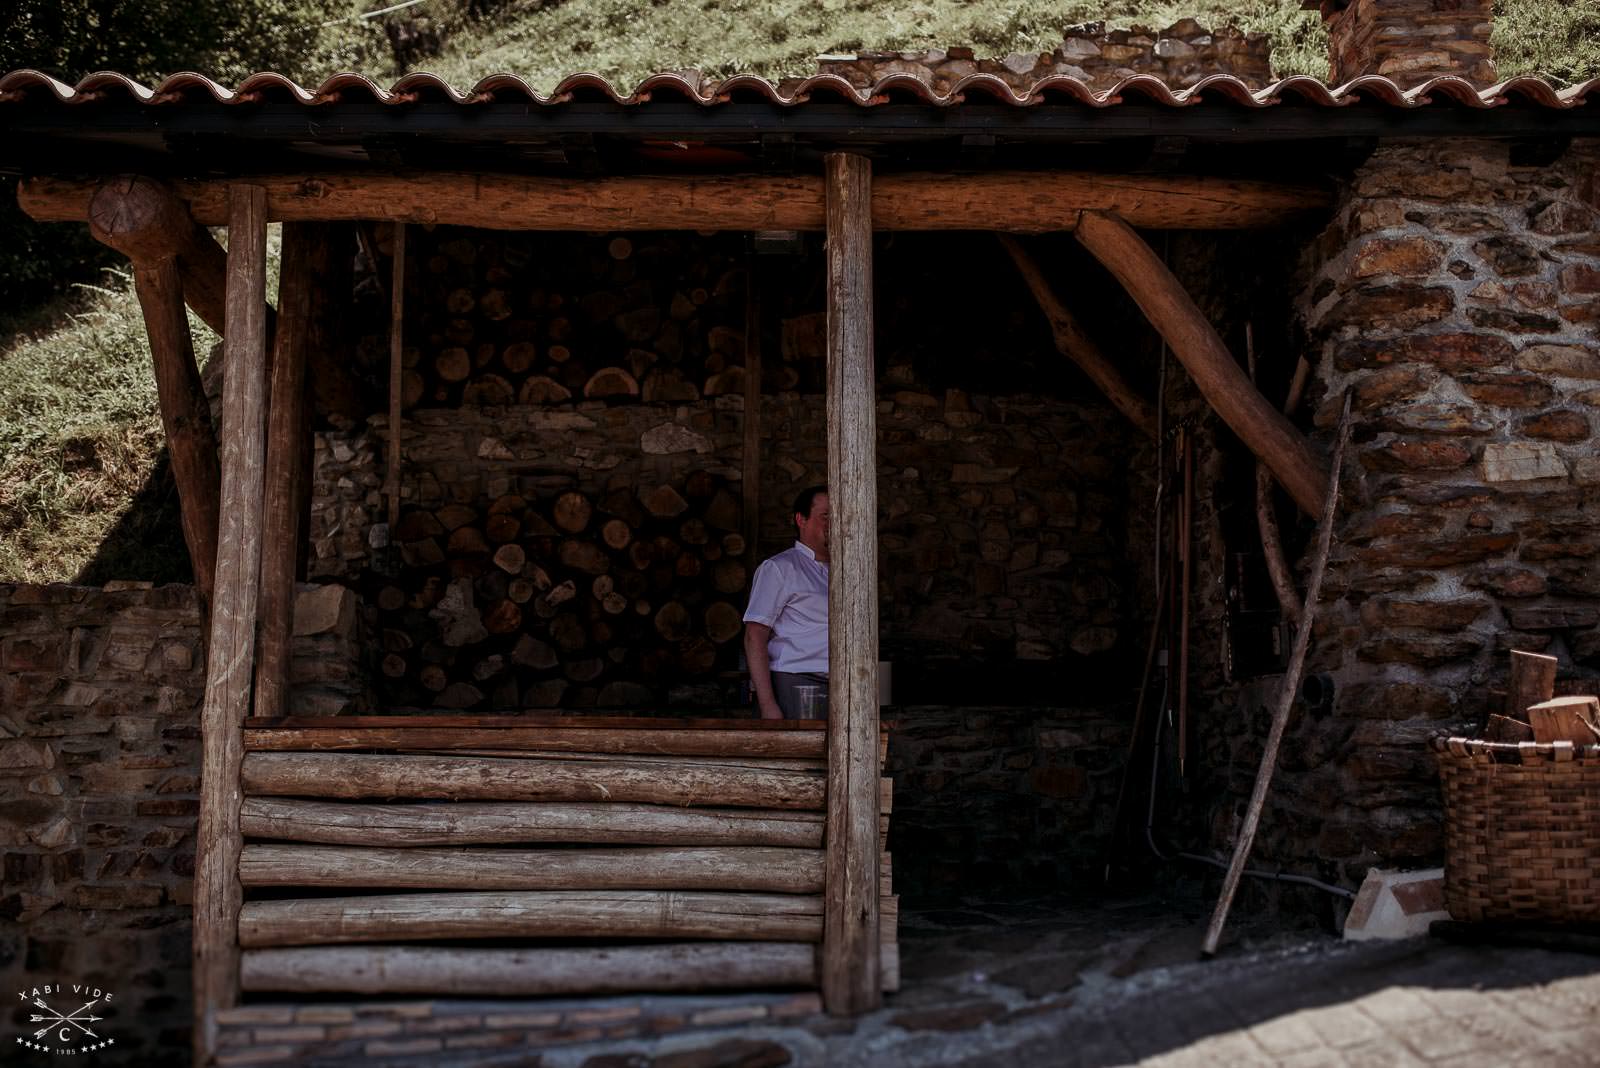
x,y
1535,713
574,600
499,320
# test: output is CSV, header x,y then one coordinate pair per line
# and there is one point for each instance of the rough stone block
x,y
1518,461
1396,904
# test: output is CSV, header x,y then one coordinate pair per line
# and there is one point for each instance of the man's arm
x,y
756,637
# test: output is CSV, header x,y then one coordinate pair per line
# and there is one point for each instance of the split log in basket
x,y
778,871
470,823
362,775
1566,719
533,914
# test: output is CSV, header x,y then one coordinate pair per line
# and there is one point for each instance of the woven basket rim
x,y
1457,745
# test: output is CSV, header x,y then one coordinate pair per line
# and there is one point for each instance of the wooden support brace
x,y
1224,384
185,414
850,959
146,221
1077,346
231,654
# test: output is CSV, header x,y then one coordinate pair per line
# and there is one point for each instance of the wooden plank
x,y
778,871
332,736
1262,428
304,259
1566,719
851,981
471,823
1072,342
231,653
752,763
356,775
1014,202
532,914
185,415
540,972
742,722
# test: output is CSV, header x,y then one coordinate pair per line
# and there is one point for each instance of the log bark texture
x,y
146,221
1263,429
304,261
664,737
474,823
185,414
777,871
540,972
533,914
1010,202
231,653
350,775
850,961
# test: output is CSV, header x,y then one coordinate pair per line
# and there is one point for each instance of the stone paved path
x,y
1038,984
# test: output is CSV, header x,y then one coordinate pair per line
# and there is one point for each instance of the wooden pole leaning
x,y
288,425
185,415
1263,429
217,893
850,953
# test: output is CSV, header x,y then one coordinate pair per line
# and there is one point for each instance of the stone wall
x,y
99,770
1455,294
1180,55
1410,41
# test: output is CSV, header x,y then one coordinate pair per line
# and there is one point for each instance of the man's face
x,y
814,528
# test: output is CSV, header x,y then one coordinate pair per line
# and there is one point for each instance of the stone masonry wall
x,y
100,694
1456,294
1410,41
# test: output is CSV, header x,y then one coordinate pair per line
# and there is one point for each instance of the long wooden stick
x,y
1077,346
231,654
850,962
1291,685
1266,516
397,314
1016,202
1264,430
1186,563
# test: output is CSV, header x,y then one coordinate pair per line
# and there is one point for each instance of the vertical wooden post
x,y
397,312
752,414
288,425
185,415
217,893
850,952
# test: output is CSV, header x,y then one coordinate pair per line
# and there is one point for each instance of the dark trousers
x,y
785,687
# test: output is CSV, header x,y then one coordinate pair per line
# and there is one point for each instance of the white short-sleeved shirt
x,y
790,595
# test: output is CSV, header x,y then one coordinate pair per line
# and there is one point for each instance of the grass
x,y
82,492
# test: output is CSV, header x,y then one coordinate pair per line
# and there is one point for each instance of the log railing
x,y
706,833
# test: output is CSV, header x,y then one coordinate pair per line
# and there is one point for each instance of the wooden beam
x,y
1029,202
533,914
397,317
662,740
851,981
355,775
460,823
231,653
146,221
1077,346
288,426
185,414
1262,428
776,871
750,459
539,972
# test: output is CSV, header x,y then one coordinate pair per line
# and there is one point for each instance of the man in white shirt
x,y
786,624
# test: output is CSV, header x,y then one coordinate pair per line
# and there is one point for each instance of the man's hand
x,y
756,637
770,710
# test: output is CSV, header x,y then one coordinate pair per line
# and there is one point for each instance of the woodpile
x,y
571,600
694,850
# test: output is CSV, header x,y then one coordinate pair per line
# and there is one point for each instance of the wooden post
x,y
146,221
850,954
1262,428
752,415
185,415
397,313
217,893
288,425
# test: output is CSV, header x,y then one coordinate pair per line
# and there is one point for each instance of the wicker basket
x,y
1522,830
